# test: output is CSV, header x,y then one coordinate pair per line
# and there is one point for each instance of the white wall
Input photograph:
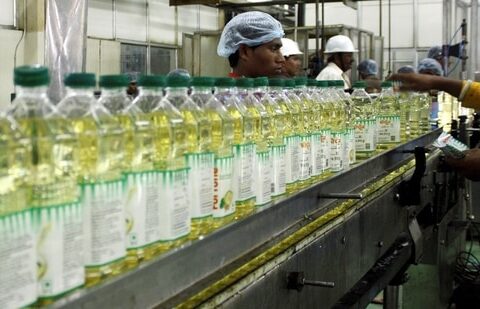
x,y
9,39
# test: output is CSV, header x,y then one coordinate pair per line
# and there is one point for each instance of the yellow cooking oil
x,y
142,197
199,156
325,119
54,197
308,120
387,118
365,124
222,137
262,120
243,147
170,144
336,118
424,102
405,99
15,160
345,105
316,130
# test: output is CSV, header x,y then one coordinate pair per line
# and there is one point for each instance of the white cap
x,y
289,47
339,44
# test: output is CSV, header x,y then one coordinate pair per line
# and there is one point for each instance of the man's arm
x,y
469,166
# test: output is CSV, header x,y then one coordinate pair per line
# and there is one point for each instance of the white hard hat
x,y
289,47
339,44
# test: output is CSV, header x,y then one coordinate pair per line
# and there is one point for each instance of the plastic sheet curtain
x,y
65,41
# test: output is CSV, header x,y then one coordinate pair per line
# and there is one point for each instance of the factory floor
x,y
422,274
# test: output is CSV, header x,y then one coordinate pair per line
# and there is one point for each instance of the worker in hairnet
x,y
293,58
406,69
251,41
429,66
436,52
339,50
367,71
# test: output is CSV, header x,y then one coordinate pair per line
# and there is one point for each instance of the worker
x,y
251,41
367,71
293,58
406,69
429,66
339,49
436,53
467,92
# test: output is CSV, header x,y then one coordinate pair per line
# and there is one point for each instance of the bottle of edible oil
x,y
364,119
387,118
322,104
338,140
405,99
270,99
305,103
57,213
142,181
200,158
243,146
18,238
262,180
102,154
222,138
171,138
424,102
345,109
316,135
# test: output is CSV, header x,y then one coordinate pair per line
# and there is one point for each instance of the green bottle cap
x,y
359,84
339,83
311,82
260,82
225,82
322,83
31,76
178,81
332,83
300,81
244,82
80,80
113,81
151,81
276,82
203,81
289,83
387,84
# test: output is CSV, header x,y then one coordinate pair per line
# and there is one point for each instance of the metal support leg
x,y
391,297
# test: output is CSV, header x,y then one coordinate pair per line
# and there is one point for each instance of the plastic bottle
x,y
324,121
262,131
223,210
387,117
171,139
56,211
150,92
338,140
365,124
345,106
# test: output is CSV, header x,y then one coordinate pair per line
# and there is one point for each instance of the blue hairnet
x,y
406,69
435,52
250,28
368,67
429,65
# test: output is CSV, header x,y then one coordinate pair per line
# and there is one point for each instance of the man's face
x,y
292,66
263,60
344,61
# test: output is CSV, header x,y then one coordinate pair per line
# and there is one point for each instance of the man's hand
x,y
469,166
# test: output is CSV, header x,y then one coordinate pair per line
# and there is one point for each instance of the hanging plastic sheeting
x,y
65,41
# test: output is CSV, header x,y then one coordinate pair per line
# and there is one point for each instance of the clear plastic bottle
x,y
365,124
345,106
338,138
18,238
405,99
142,180
424,102
200,159
222,138
172,136
316,134
324,124
387,118
308,120
54,195
262,131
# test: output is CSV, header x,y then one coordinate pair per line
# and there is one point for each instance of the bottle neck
x,y
201,90
244,91
37,91
175,91
150,91
113,91
80,91
224,90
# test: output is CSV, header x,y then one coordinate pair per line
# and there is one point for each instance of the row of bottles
x,y
91,187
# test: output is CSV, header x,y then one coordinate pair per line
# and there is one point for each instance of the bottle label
x,y
350,154
60,264
263,178
142,208
223,202
365,140
325,149
278,161
305,157
201,184
243,171
175,208
337,146
292,159
18,269
388,129
104,224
